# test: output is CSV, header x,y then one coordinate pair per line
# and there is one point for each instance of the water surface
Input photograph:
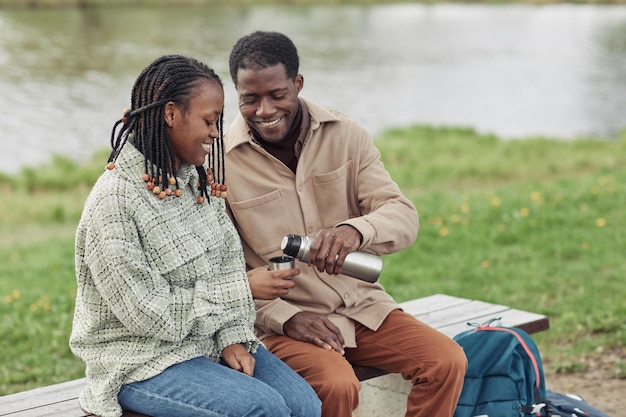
x,y
513,70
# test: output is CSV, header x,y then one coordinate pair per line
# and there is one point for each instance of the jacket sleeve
x,y
389,221
238,328
273,314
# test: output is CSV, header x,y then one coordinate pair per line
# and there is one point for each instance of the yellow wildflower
x,y
536,197
435,220
495,201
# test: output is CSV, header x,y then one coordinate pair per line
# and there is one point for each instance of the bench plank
x,y
446,313
59,400
433,302
42,396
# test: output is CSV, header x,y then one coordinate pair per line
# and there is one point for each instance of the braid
x,y
169,78
217,155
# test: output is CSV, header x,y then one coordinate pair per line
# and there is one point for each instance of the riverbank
x,y
170,3
21,4
536,224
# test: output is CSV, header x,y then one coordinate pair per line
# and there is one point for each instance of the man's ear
x,y
299,82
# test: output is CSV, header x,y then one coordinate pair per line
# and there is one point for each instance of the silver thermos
x,y
360,265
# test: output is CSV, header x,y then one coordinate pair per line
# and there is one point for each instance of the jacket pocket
x,y
270,210
335,194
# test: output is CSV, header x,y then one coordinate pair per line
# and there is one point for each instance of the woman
x,y
164,316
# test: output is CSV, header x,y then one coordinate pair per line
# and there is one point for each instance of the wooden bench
x,y
448,314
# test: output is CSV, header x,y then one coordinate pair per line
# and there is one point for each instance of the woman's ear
x,y
170,111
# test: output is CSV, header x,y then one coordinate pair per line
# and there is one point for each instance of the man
x,y
297,168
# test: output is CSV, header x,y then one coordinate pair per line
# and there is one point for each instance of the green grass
x,y
536,224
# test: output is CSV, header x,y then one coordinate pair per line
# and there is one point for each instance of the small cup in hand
x,y
282,262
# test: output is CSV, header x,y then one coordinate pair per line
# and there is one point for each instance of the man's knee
x,y
339,388
452,366
340,396
458,360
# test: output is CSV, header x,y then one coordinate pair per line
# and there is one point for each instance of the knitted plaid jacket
x,y
159,282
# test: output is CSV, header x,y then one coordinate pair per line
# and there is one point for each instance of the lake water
x,y
513,70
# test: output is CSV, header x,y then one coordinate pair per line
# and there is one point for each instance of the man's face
x,y
268,100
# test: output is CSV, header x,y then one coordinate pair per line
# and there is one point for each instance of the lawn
x,y
536,224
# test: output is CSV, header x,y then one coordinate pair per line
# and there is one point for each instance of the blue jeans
x,y
202,388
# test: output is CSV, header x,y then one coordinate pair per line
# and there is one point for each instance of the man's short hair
x,y
260,50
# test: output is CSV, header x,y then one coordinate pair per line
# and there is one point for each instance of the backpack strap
x,y
539,405
524,345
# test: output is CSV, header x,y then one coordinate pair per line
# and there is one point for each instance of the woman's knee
x,y
308,406
301,398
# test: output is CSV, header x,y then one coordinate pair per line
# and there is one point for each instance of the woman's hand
x,y
268,285
238,358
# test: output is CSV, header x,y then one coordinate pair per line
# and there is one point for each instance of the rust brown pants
x,y
433,362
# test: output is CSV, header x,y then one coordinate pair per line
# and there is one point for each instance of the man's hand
x,y
315,328
267,285
239,359
331,246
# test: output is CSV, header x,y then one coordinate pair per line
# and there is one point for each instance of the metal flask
x,y
360,265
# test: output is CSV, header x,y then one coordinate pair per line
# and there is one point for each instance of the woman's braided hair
x,y
169,78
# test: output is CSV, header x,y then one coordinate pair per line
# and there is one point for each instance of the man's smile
x,y
270,123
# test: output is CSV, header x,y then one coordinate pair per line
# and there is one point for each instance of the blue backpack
x,y
570,405
504,376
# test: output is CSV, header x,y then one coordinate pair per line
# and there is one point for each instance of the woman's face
x,y
194,128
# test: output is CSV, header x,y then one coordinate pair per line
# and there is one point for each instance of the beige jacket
x,y
339,180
